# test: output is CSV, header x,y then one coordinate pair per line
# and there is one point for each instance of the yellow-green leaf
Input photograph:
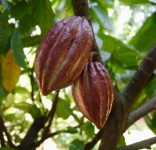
x,y
10,71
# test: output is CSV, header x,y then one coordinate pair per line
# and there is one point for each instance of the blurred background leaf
x,y
145,35
135,1
17,48
10,72
76,145
124,31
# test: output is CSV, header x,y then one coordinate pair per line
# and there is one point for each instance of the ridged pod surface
x,y
63,53
93,93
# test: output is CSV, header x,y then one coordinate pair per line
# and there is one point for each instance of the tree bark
x,y
118,118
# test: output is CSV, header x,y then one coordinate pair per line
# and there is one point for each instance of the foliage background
x,y
124,30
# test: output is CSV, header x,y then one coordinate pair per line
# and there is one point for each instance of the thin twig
x,y
37,126
50,135
30,73
51,113
139,145
46,137
1,133
92,143
141,111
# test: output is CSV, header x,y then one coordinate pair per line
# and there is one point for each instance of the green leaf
x,y
21,90
35,111
71,130
135,1
5,33
17,47
141,99
6,4
145,38
31,41
101,16
106,3
76,145
62,109
63,8
150,121
150,88
4,40
121,142
105,55
10,99
20,9
123,55
23,12
26,27
43,14
3,93
23,106
154,120
88,128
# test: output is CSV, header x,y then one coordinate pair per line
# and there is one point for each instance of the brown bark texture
x,y
118,119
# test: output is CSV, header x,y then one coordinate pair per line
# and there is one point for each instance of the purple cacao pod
x,y
93,93
63,53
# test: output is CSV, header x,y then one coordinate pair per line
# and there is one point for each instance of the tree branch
x,y
117,120
114,125
37,126
51,113
92,143
46,137
50,135
140,79
139,145
81,8
1,132
141,111
29,140
4,129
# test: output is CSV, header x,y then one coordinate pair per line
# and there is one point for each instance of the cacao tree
x,y
104,49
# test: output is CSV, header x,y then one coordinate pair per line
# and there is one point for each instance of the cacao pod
x,y
63,53
93,93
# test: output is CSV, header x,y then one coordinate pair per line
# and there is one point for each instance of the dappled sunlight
x,y
138,132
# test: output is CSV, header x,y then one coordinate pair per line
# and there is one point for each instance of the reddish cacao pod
x,y
93,93
63,53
